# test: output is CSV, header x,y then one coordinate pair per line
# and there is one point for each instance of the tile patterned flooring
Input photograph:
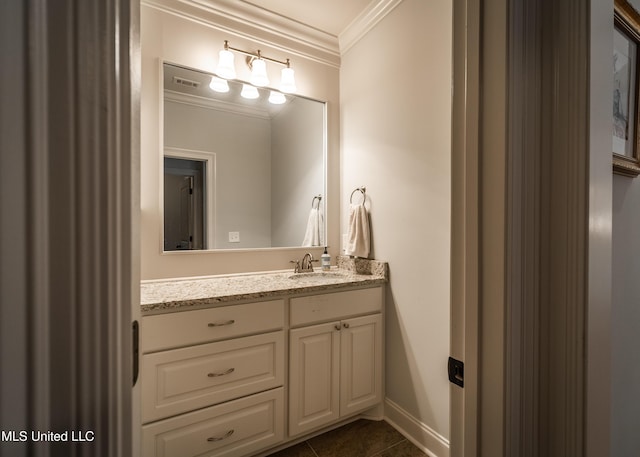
x,y
362,438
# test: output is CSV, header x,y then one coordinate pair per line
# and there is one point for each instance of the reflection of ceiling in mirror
x,y
195,83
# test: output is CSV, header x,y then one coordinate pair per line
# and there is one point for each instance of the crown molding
x,y
365,21
257,24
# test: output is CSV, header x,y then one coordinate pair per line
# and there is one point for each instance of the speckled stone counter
x,y
158,296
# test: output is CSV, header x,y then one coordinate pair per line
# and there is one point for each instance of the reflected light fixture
x,y
219,84
257,63
277,98
249,91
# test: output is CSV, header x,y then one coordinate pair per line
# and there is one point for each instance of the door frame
x,y
464,225
210,160
524,335
70,278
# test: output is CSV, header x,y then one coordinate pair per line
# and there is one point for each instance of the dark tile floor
x,y
362,438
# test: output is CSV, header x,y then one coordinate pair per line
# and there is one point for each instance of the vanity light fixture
x,y
257,63
258,71
226,67
277,98
219,84
249,91
287,81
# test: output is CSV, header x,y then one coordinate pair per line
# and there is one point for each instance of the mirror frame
x,y
163,148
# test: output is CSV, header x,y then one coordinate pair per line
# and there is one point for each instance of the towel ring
x,y
362,190
319,197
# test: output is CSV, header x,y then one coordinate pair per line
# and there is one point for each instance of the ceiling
x,y
331,16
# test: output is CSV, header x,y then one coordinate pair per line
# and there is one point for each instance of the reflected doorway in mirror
x,y
188,183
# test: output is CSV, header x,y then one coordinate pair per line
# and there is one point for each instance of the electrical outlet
x,y
234,237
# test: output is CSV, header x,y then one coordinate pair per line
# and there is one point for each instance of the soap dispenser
x,y
326,260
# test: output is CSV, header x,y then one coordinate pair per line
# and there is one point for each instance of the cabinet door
x,y
314,377
361,364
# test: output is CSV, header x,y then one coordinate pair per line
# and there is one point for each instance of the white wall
x,y
625,318
395,86
195,42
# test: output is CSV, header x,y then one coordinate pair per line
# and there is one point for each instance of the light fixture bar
x,y
256,55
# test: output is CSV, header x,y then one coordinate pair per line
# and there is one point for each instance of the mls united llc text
x,y
37,435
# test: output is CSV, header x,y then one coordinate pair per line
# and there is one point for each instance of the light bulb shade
x,y
249,91
287,81
259,73
219,85
277,98
226,68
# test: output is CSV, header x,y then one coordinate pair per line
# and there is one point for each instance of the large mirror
x,y
240,173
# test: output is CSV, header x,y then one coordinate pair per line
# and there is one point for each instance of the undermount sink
x,y
316,275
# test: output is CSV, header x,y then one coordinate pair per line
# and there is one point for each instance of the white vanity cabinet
x,y
212,380
335,367
245,378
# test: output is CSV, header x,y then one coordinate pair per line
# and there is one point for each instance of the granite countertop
x,y
168,295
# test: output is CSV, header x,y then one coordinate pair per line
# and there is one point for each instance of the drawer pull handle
x,y
345,325
220,438
221,324
215,375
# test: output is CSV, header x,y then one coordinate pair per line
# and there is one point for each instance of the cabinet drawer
x,y
184,379
185,328
236,428
337,305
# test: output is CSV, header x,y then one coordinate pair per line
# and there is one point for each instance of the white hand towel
x,y
314,236
358,237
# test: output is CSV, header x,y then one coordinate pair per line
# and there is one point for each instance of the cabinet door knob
x,y
345,325
220,438
337,326
222,373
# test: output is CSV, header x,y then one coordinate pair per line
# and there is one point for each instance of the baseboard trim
x,y
428,440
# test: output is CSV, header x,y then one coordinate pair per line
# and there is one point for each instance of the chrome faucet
x,y
305,263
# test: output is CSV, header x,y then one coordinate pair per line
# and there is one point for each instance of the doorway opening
x,y
184,204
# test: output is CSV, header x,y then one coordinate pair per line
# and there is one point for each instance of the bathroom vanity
x,y
244,365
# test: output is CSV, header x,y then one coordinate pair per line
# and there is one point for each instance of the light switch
x,y
234,237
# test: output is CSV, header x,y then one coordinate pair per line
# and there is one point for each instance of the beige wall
x,y
625,315
625,318
395,137
195,44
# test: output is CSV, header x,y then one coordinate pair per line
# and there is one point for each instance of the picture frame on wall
x,y
626,106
